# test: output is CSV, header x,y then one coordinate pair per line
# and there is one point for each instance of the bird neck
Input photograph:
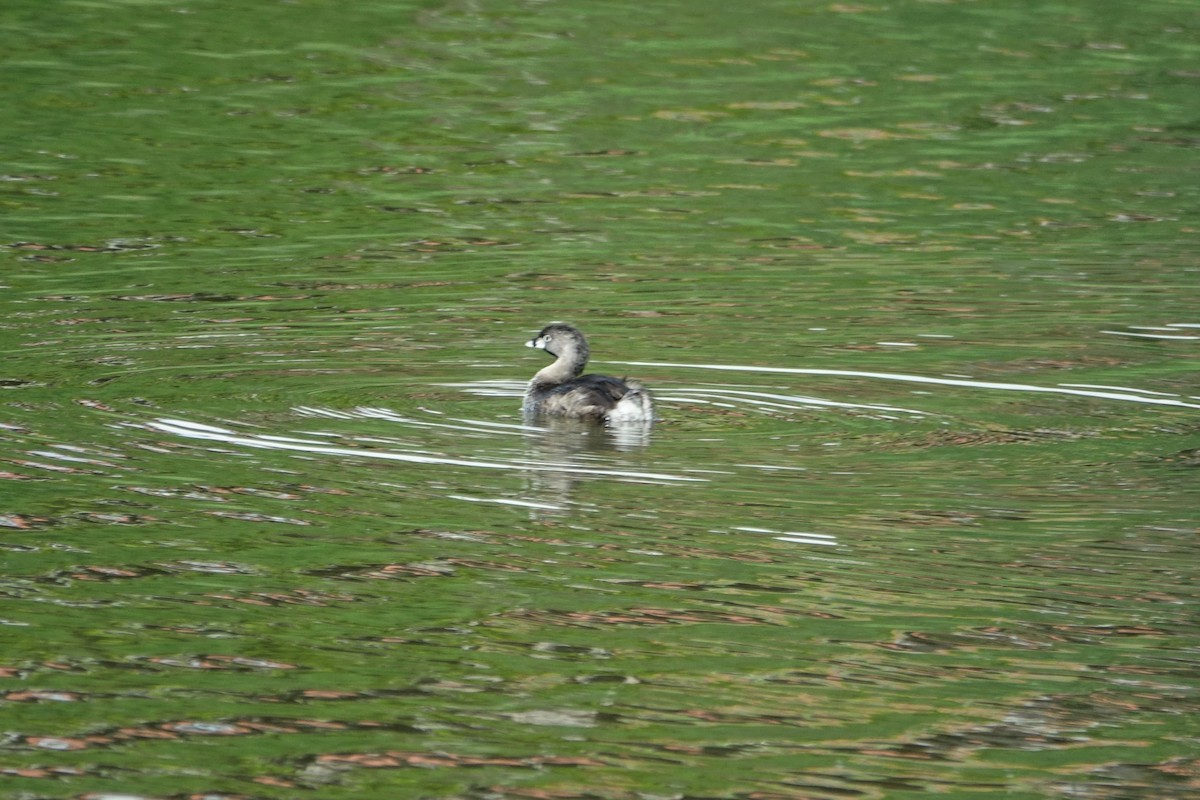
x,y
566,366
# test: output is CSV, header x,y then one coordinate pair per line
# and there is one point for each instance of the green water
x,y
915,286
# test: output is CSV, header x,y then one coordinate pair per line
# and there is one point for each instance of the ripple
x,y
1136,335
796,537
490,388
506,502
721,395
197,430
765,400
1124,396
451,423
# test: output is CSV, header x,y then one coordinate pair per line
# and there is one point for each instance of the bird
x,y
562,390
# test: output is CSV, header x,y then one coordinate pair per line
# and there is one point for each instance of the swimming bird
x,y
561,390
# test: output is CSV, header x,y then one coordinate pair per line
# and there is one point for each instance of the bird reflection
x,y
572,443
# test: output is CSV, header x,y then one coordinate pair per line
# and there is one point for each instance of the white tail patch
x,y
633,407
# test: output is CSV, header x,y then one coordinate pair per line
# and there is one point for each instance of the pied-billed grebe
x,y
561,390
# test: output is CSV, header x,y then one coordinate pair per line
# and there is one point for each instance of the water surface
x,y
914,284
